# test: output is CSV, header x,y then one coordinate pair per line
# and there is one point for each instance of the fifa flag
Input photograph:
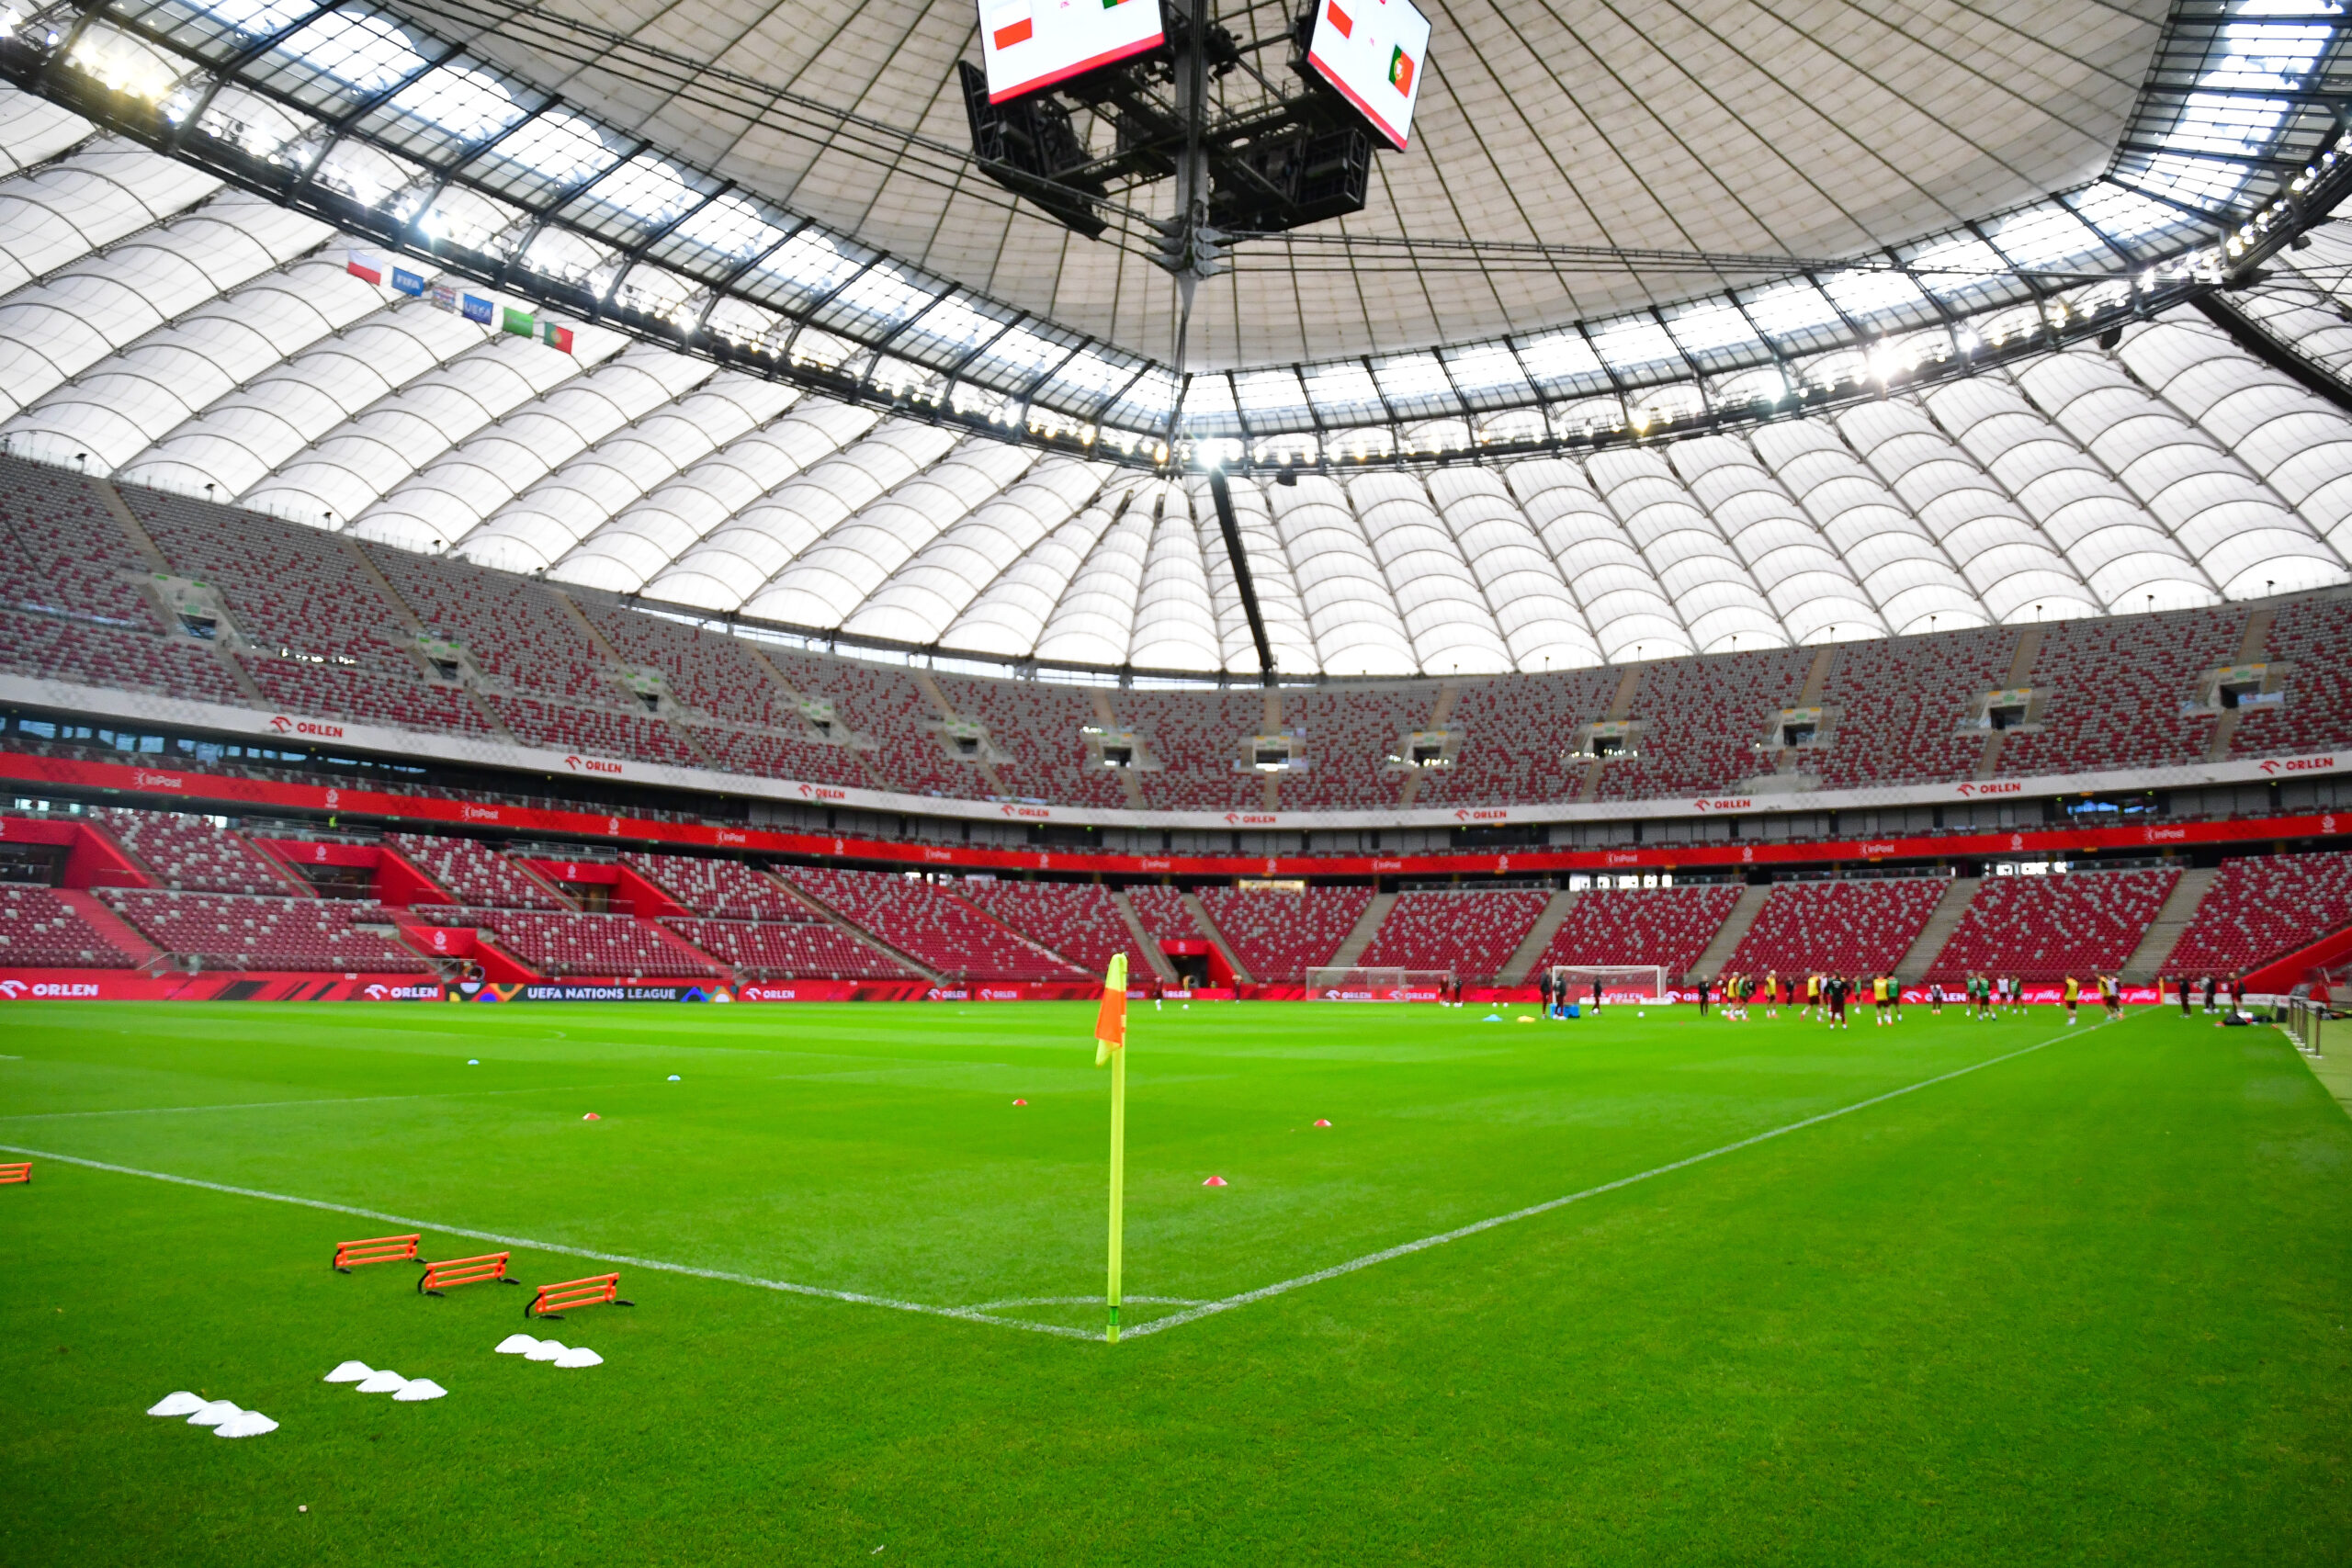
x,y
409,283
1110,1020
1009,25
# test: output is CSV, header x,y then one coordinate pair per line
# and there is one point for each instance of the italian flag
x,y
1400,72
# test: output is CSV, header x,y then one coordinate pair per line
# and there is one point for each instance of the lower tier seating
x,y
39,928
927,922
228,931
1077,921
584,944
1470,934
1667,926
2262,907
1279,936
1838,927
2046,927
798,950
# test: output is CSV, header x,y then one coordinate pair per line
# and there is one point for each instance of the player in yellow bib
x,y
2074,995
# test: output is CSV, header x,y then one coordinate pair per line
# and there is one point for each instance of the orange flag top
x,y
1111,1021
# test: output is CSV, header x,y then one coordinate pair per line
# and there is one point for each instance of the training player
x,y
1813,999
1771,993
1833,993
2073,993
2110,996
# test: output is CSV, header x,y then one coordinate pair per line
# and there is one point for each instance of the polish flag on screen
x,y
1341,23
1008,26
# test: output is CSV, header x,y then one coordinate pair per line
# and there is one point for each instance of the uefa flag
x,y
474,308
1111,1021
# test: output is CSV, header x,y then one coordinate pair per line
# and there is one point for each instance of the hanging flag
x,y
364,267
1010,25
444,296
1341,23
476,308
520,323
1400,72
556,337
407,282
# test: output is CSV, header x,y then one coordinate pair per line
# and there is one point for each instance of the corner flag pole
x,y
1110,1045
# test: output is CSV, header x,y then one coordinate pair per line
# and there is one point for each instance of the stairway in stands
x,y
113,927
2147,959
1539,936
1939,929
1350,951
1735,929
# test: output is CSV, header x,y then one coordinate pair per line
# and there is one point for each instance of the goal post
x,y
1334,983
1617,982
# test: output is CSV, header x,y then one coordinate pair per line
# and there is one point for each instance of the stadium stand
x,y
1468,933
571,944
1844,927
1197,736
798,950
1349,737
472,873
930,923
1162,914
2313,638
226,930
725,888
1039,727
2117,688
1515,735
37,927
192,854
1700,719
1077,920
1898,707
1669,926
2046,927
2262,907
1279,936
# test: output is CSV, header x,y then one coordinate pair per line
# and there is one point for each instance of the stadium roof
x,y
176,331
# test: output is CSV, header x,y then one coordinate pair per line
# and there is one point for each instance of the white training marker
x,y
420,1390
382,1382
349,1371
245,1424
516,1345
473,1061
213,1412
178,1403
580,1356
673,1078
545,1350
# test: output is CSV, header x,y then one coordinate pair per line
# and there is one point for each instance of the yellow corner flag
x,y
1111,1045
1111,1022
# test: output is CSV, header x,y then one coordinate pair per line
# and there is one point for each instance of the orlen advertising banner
x,y
129,986
1026,45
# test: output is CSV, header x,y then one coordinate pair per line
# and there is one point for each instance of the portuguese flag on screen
x,y
1400,71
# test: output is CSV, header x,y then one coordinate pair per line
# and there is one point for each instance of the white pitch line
x,y
968,1314
333,1099
1282,1287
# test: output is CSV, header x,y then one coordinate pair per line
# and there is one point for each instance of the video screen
x,y
1375,52
1031,44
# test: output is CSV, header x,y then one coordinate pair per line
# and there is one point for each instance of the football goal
x,y
1617,982
1335,984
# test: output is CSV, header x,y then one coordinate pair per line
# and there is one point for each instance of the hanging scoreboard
x,y
1028,45
1374,52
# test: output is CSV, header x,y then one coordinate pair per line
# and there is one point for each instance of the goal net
x,y
1334,984
1617,982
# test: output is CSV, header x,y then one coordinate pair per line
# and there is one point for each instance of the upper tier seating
x,y
327,626
1470,934
800,950
190,852
227,931
930,923
726,888
2316,637
1669,926
616,945
1839,927
1279,936
2046,927
1077,921
2118,689
472,873
37,928
2262,907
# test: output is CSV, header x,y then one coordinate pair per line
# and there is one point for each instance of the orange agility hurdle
x,y
600,1290
22,1171
463,1271
349,1255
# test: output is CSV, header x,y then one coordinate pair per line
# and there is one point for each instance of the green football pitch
x,y
1947,1292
